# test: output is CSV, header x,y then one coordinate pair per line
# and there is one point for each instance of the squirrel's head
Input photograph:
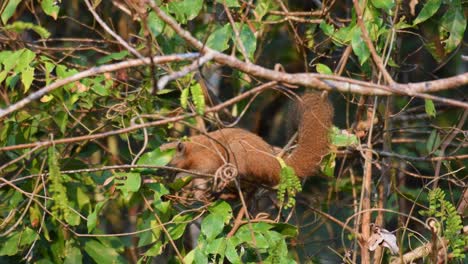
x,y
196,155
180,159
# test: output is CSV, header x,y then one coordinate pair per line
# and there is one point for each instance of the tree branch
x,y
317,81
138,126
94,71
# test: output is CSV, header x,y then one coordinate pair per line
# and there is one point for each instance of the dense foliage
x,y
82,117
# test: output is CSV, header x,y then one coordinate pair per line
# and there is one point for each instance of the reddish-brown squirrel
x,y
255,159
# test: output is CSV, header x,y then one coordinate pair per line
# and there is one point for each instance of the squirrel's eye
x,y
180,147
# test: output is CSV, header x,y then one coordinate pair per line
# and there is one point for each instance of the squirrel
x,y
255,159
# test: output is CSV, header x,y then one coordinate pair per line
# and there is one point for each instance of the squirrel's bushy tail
x,y
313,138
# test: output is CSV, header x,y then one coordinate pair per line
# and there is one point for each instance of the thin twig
x,y
446,143
111,32
196,64
365,35
174,246
236,33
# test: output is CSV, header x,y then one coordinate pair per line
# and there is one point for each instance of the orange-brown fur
x,y
253,157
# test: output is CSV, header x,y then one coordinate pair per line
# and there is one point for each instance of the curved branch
x,y
94,71
317,81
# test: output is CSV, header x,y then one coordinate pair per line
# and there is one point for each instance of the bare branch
x,y
192,67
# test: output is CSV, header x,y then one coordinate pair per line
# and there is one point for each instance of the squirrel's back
x,y
253,157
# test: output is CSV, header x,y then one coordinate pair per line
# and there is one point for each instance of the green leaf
x,y
50,7
454,23
82,198
93,217
9,10
190,257
12,80
27,77
200,258
24,60
96,3
63,72
212,226
429,107
49,66
47,98
402,24
198,98
247,38
14,242
4,54
177,227
327,29
359,46
260,227
156,157
127,182
155,24
219,39
323,69
429,9
222,209
193,7
184,98
159,190
185,10
229,3
244,234
102,254
61,119
342,138
20,26
98,84
231,252
72,218
386,5
10,246
155,249
73,256
27,237
328,164
216,247
179,183
263,7
152,235
343,35
10,60
163,209
433,142
113,56
286,229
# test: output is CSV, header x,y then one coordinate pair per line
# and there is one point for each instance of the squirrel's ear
x,y
180,147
